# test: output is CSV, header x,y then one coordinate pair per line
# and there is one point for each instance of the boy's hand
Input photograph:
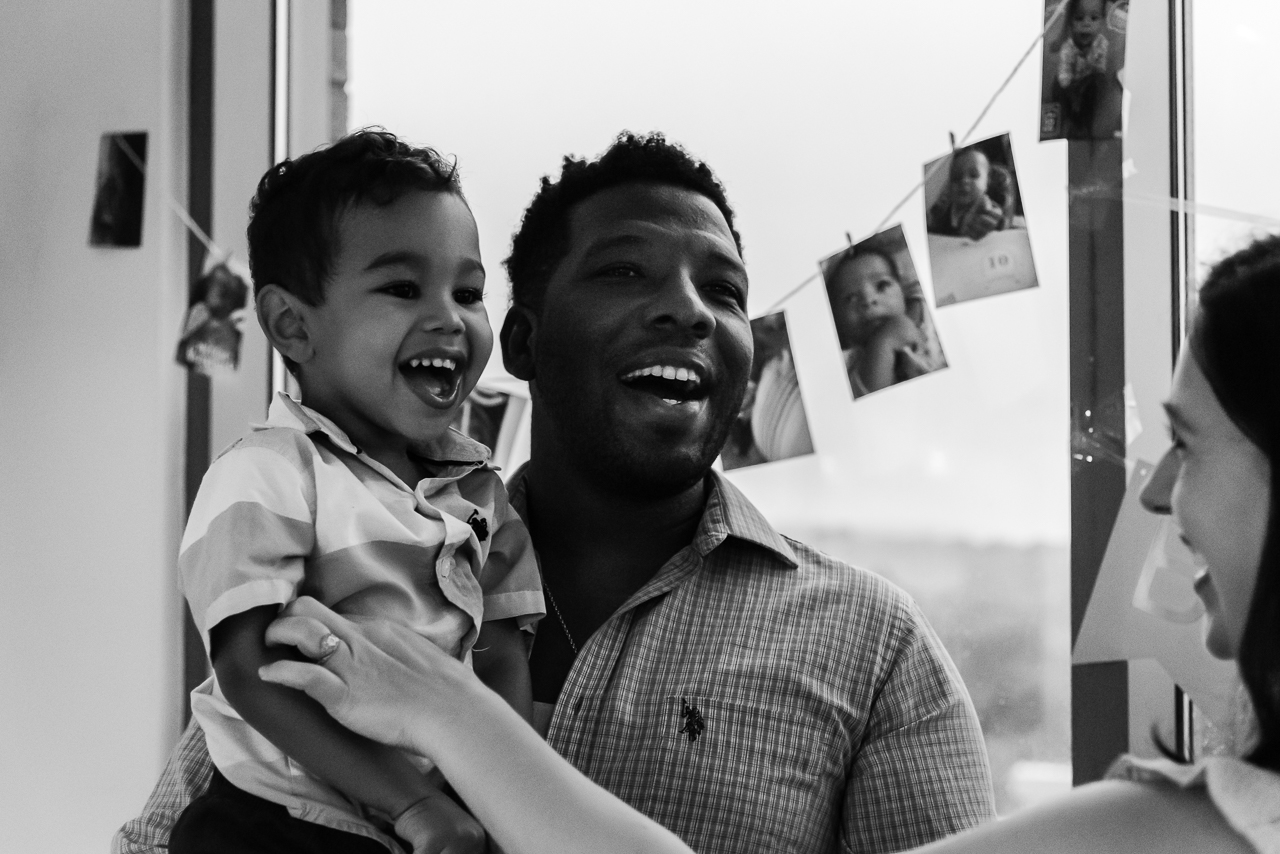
x,y
437,825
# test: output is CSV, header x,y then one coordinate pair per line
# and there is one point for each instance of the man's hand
x,y
437,825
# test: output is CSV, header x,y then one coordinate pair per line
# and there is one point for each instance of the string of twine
x,y
1048,25
175,205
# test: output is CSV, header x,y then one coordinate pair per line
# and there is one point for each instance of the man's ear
x,y
519,339
283,318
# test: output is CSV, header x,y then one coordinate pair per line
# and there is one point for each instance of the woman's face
x,y
1217,485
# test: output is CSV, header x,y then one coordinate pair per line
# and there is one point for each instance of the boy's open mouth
x,y
671,384
434,378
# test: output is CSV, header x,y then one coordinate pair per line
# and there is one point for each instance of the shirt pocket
x,y
745,776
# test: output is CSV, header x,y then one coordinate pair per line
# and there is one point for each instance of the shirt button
x,y
447,564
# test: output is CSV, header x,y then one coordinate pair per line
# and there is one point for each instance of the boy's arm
x,y
371,773
501,660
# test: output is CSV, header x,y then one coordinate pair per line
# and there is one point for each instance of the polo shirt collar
x,y
452,447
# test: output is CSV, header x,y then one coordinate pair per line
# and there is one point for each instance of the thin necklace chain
x,y
560,617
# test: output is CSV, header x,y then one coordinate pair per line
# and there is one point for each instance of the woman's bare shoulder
x,y
1112,817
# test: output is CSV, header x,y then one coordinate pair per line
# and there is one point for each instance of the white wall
x,y
91,409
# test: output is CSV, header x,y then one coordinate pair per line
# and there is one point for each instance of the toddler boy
x,y
368,281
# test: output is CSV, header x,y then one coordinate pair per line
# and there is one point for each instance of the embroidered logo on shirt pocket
x,y
693,723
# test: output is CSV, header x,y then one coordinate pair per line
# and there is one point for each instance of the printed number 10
x,y
997,262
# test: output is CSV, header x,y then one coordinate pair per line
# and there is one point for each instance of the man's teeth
x,y
666,372
437,362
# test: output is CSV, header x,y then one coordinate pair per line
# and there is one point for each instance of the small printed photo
x,y
771,424
880,312
491,417
210,338
978,240
117,200
1081,92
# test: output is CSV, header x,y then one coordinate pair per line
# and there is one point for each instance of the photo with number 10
x,y
978,240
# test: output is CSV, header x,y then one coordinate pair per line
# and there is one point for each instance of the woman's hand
x,y
383,680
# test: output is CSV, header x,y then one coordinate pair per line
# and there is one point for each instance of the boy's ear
x,y
519,339
283,319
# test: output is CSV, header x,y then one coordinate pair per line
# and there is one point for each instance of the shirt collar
x,y
452,447
728,513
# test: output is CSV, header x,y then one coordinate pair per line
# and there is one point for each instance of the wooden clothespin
x,y
952,135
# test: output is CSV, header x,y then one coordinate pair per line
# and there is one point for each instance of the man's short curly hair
x,y
542,241
293,218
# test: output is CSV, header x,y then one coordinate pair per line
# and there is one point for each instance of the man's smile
x,y
671,383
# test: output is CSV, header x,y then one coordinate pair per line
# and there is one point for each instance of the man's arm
x,y
922,771
186,776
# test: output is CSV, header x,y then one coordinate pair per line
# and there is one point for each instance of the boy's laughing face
x,y
402,335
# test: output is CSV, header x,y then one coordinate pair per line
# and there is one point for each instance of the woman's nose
x,y
1156,494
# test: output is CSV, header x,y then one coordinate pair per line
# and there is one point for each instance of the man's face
x,y
643,348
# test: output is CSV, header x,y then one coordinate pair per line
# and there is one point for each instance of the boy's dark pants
x,y
226,820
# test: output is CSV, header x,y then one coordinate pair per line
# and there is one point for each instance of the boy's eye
x,y
469,296
402,290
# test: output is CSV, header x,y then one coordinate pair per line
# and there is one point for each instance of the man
x,y
746,691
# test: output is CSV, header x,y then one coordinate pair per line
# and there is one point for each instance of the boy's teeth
x,y
437,362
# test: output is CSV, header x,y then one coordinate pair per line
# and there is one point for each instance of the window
x,y
818,117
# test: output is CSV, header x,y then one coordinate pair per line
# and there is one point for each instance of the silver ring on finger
x,y
328,646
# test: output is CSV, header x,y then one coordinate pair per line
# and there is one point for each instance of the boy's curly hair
x,y
293,218
542,240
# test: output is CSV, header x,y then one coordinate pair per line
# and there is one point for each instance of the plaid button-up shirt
x,y
755,695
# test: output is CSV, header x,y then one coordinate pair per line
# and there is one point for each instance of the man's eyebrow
x,y
626,240
618,240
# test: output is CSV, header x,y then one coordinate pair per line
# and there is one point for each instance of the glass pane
x,y
1236,172
818,117
1233,54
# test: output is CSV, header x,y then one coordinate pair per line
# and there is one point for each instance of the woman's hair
x,y
1235,339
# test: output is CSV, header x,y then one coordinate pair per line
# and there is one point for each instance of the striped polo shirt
x,y
294,508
